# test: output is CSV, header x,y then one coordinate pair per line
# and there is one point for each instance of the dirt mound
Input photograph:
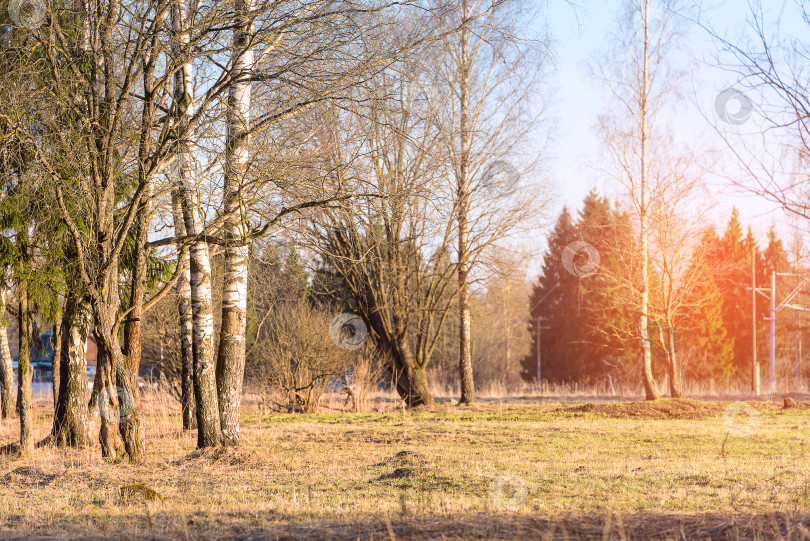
x,y
677,408
410,469
128,493
229,456
790,403
402,465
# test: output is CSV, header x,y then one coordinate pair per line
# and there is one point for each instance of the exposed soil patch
x,y
657,409
409,468
403,465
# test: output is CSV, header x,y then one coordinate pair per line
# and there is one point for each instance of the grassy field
x,y
672,470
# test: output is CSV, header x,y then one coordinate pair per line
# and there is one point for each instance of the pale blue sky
x,y
579,32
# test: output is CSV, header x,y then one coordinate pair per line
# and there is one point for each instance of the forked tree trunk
x,y
119,385
109,437
463,197
70,423
186,325
205,386
231,355
25,372
7,397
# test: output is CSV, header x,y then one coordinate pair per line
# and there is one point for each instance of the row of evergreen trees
x,y
589,323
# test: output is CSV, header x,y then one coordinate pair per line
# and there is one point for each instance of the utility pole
x,y
772,348
508,326
787,302
796,347
538,353
539,323
754,364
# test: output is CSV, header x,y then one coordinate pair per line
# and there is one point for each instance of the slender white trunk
x,y
649,382
231,356
7,397
463,195
205,391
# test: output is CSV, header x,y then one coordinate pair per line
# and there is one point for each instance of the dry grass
x,y
619,470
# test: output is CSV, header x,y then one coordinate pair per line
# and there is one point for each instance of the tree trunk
x,y
410,379
57,354
420,389
186,326
25,372
205,386
132,327
117,400
650,388
109,436
674,369
231,355
70,423
464,354
7,397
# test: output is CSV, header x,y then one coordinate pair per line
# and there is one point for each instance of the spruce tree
x,y
555,303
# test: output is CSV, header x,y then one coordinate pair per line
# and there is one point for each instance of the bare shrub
x,y
299,357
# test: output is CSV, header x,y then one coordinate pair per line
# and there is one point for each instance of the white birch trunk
x,y
205,390
463,195
7,396
70,423
231,356
650,387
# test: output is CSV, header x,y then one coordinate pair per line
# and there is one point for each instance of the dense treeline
x,y
587,318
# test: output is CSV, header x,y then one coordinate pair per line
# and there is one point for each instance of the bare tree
x,y
677,259
491,72
636,73
390,248
231,357
763,120
501,309
186,175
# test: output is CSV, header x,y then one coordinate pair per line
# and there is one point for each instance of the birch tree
x,y
202,317
492,68
7,391
70,420
638,77
231,357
